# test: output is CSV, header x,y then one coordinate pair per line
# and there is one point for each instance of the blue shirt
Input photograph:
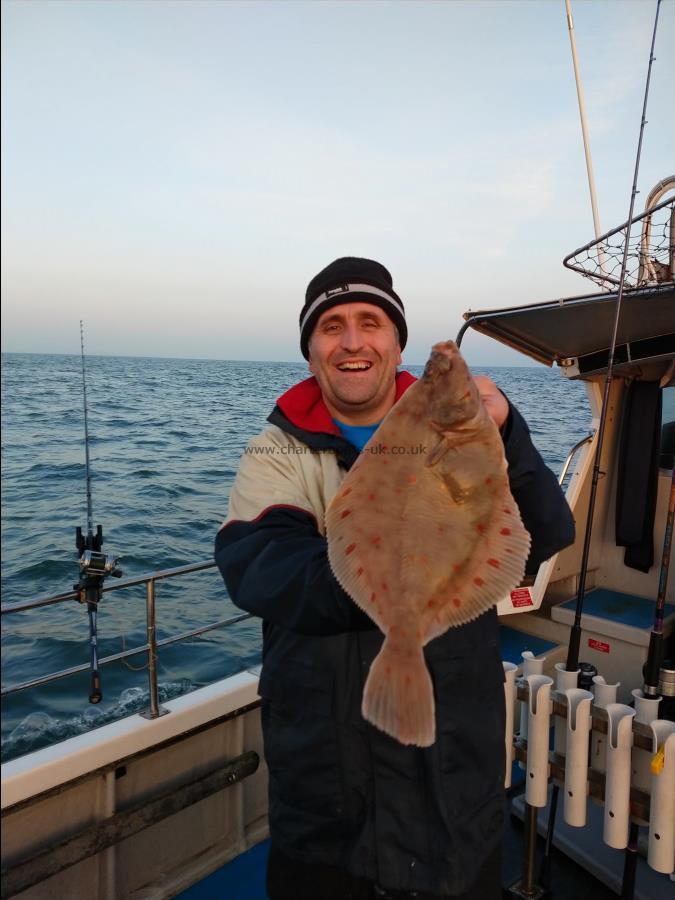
x,y
358,435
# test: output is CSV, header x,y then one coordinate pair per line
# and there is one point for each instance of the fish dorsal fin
x,y
496,567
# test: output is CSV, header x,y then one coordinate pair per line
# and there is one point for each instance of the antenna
x,y
94,565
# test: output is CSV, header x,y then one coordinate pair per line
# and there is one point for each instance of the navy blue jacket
x,y
341,792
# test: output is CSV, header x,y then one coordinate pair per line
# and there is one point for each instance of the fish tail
x,y
398,697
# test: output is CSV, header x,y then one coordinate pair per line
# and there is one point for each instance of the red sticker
x,y
521,597
598,645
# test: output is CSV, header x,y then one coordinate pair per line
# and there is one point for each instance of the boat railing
x,y
570,456
651,251
150,647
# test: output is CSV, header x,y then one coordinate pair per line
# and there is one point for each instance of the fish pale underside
x,y
425,535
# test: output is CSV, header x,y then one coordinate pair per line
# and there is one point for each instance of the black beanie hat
x,y
350,279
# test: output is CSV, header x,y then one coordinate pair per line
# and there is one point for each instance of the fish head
x,y
452,393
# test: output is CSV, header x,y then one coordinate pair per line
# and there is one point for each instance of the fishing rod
x,y
94,564
575,634
651,675
572,663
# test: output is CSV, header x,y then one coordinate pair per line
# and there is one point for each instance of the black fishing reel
x,y
97,564
94,564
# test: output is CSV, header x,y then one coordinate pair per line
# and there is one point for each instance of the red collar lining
x,y
303,404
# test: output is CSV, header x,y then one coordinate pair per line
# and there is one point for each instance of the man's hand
x,y
495,402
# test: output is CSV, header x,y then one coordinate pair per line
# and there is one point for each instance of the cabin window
x,y
668,428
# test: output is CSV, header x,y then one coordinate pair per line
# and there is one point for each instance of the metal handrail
x,y
125,654
152,643
110,586
571,455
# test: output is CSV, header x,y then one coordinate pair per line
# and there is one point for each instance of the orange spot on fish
x,y
359,571
350,549
505,531
376,540
346,492
385,586
488,480
507,511
456,568
371,496
440,529
407,679
509,551
431,603
494,563
478,582
456,602
480,528
392,629
372,597
412,479
345,513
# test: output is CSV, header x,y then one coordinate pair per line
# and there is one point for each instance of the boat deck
x,y
244,877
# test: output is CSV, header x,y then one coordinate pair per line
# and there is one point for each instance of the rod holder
x,y
617,779
539,722
604,695
510,670
661,848
646,712
564,681
531,666
578,733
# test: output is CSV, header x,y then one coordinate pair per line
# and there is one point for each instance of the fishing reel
x,y
94,564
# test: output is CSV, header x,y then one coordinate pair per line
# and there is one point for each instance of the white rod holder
x,y
646,712
510,701
539,723
564,681
604,695
646,708
531,666
617,778
661,848
578,730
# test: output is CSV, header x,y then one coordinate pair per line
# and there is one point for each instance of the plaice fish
x,y
425,535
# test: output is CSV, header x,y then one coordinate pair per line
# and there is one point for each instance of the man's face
x,y
353,353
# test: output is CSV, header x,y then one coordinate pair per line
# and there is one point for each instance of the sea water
x,y
165,438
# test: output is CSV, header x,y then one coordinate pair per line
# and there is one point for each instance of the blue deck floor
x,y
241,879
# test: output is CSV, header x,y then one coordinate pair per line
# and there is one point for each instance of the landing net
x,y
651,251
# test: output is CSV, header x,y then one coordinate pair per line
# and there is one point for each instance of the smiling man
x,y
353,813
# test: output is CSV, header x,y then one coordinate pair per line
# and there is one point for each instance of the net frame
x,y
651,252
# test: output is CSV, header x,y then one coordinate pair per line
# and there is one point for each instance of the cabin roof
x,y
577,330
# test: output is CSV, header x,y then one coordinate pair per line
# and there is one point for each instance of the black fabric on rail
x,y
637,475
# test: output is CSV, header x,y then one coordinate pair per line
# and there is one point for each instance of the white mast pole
x,y
584,131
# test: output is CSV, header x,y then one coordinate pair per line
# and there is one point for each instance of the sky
x,y
174,173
